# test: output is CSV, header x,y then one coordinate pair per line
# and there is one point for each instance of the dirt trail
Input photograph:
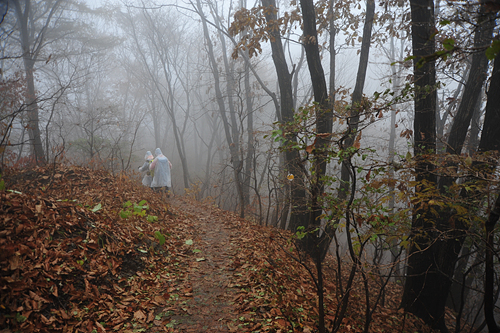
x,y
210,309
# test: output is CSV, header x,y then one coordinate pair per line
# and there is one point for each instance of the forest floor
x,y
86,251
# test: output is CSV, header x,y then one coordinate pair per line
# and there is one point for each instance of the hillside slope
x,y
86,251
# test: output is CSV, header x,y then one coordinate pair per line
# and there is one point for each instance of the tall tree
x,y
438,238
237,164
421,267
34,21
324,120
490,142
357,95
323,115
299,214
478,73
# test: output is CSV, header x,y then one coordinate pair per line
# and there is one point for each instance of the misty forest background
x,y
367,128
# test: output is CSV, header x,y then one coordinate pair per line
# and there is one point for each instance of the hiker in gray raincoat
x,y
148,177
161,167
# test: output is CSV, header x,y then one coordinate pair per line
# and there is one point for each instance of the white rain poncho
x,y
161,167
148,178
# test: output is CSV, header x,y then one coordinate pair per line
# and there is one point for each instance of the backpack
x,y
151,172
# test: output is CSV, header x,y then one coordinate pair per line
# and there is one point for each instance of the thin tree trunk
x,y
250,153
33,119
236,163
324,119
475,127
357,95
299,213
30,55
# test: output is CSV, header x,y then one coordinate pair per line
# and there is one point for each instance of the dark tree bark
x,y
448,247
299,215
490,142
423,280
475,127
324,119
331,47
437,242
475,82
324,114
357,95
489,272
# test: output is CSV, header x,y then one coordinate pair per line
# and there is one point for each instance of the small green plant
x,y
152,218
160,237
138,209
171,324
20,318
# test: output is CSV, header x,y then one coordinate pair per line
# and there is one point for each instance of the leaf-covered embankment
x,y
85,251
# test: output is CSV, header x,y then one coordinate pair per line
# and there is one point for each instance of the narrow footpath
x,y
211,308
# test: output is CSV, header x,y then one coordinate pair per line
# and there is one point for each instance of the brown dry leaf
x,y
309,149
139,315
14,262
151,316
100,327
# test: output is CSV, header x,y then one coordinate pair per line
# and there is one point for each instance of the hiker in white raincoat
x,y
148,177
161,167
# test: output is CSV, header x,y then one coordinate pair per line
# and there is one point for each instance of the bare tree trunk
x,y
419,296
475,126
324,120
33,119
29,57
235,132
236,163
396,78
357,95
331,47
299,215
430,270
250,153
489,274
490,142
472,91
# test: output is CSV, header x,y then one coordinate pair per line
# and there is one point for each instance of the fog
x,y
115,79
99,83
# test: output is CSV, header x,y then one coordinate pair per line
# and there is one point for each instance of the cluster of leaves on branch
x,y
377,183
253,20
11,92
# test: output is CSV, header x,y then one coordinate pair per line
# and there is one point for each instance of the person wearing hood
x,y
161,167
148,176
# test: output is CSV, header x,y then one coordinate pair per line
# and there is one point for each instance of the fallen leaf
x,y
139,315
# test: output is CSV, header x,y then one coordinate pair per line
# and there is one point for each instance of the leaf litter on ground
x,y
76,258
